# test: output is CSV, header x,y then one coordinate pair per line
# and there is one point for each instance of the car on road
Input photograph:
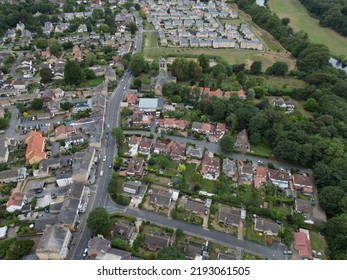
x,y
54,195
288,252
104,158
101,173
110,165
85,252
124,87
206,212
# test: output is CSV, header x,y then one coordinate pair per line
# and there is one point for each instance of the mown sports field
x,y
301,20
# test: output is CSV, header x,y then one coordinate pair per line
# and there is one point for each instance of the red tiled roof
x,y
302,180
131,98
259,180
241,92
15,199
35,145
60,130
302,244
261,171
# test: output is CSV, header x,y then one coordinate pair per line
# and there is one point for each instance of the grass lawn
x,y
261,149
150,40
147,25
215,248
301,20
300,107
92,83
282,82
189,172
318,243
231,56
207,185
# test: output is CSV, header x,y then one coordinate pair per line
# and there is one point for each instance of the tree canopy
x,y
73,73
170,253
99,221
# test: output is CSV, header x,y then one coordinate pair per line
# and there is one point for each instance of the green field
x,y
232,56
150,40
301,20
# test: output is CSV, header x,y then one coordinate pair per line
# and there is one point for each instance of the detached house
x,y
220,131
176,150
279,178
155,241
260,177
204,128
160,198
146,146
242,144
303,183
210,167
230,169
16,201
266,226
302,244
229,216
35,147
136,167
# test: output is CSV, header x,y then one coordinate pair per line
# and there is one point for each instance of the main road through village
x,y
100,197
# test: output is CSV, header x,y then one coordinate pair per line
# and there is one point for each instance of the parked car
x,y
288,252
101,173
104,158
85,252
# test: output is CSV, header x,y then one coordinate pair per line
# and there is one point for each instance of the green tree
x,y
97,14
46,74
118,135
311,105
67,45
170,253
256,67
123,200
65,105
132,27
227,143
163,162
181,168
37,104
18,249
55,49
336,237
204,63
329,199
41,43
279,68
90,59
99,221
138,64
73,73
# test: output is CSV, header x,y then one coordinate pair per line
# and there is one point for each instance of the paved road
x,y
109,149
215,148
272,252
11,130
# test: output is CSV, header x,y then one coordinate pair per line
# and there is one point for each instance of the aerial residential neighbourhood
x,y
169,129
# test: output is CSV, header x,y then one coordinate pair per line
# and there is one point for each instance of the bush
x,y
123,200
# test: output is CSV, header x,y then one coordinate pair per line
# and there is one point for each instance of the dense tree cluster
x,y
331,13
11,14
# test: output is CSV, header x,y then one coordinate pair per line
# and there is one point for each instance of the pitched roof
x,y
230,216
35,145
53,239
279,175
302,244
160,197
155,240
261,171
15,199
302,180
266,225
60,130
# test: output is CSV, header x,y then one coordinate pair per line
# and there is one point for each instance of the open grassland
x,y
231,56
301,20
